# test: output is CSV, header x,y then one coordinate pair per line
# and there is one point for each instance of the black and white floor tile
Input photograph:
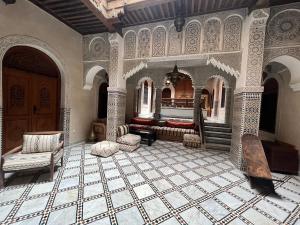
x,y
165,184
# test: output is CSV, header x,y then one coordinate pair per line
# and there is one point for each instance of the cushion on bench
x,y
40,143
20,161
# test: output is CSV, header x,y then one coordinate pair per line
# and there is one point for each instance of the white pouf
x,y
104,148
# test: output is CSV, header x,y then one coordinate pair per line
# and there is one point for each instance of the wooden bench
x,y
257,167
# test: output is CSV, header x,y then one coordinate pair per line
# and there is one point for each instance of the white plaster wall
x,y
24,18
288,113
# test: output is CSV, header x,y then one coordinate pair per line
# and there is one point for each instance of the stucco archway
x,y
21,40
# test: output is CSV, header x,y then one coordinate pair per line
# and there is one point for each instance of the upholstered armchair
x,y
39,150
127,142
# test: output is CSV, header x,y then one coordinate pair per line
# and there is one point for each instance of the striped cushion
x,y
40,143
122,130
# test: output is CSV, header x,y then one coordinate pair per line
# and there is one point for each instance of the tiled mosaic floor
x,y
164,184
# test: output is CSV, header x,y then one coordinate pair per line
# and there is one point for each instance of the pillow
x,y
178,124
122,130
143,121
40,143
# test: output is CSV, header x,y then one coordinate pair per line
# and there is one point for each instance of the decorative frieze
x,y
232,33
212,34
192,38
130,45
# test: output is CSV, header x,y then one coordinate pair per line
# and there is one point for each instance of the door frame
x,y
22,40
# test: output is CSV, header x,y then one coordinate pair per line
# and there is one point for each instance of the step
x,y
218,134
216,140
216,124
219,147
217,129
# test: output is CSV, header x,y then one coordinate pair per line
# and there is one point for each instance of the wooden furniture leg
x,y
1,174
52,168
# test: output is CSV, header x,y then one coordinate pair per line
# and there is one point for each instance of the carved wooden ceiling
x,y
96,16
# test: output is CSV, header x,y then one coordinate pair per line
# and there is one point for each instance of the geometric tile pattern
x,y
165,183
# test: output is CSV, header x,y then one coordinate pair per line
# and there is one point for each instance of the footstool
x,y
104,148
192,140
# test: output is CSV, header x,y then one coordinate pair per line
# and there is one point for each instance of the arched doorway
x,y
269,106
206,103
145,100
31,94
102,101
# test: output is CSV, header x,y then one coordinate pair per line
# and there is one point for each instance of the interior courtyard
x,y
131,112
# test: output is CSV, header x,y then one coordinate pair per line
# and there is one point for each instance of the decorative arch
x,y
143,79
98,48
232,33
159,37
226,83
188,74
292,64
212,35
192,37
90,76
144,43
174,42
21,40
130,44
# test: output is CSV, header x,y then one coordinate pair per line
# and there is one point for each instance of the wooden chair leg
x,y
52,165
1,174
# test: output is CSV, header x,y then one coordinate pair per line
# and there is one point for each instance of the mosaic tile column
x,y
158,94
247,96
65,114
197,103
116,108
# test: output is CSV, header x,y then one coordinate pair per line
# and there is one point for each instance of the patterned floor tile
x,y
94,207
143,191
155,208
165,183
214,209
176,199
192,216
130,216
257,218
121,198
63,216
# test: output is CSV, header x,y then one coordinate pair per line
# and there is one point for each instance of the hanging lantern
x,y
180,17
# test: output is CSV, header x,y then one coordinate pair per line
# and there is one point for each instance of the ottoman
x,y
129,142
104,148
192,140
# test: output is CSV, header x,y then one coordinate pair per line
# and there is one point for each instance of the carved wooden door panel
x,y
44,103
17,107
30,104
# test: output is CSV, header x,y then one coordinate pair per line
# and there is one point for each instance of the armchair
x,y
39,150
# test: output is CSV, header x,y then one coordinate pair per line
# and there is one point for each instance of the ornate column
x,y
136,100
228,93
116,105
247,96
158,93
197,103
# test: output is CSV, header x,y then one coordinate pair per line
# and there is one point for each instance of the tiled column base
x,y
246,115
115,112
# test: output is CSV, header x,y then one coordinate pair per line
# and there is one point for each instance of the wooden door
x,y
16,87
30,104
44,103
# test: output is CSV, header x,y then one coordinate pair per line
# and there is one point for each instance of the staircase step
x,y
216,124
218,134
219,147
216,140
217,129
